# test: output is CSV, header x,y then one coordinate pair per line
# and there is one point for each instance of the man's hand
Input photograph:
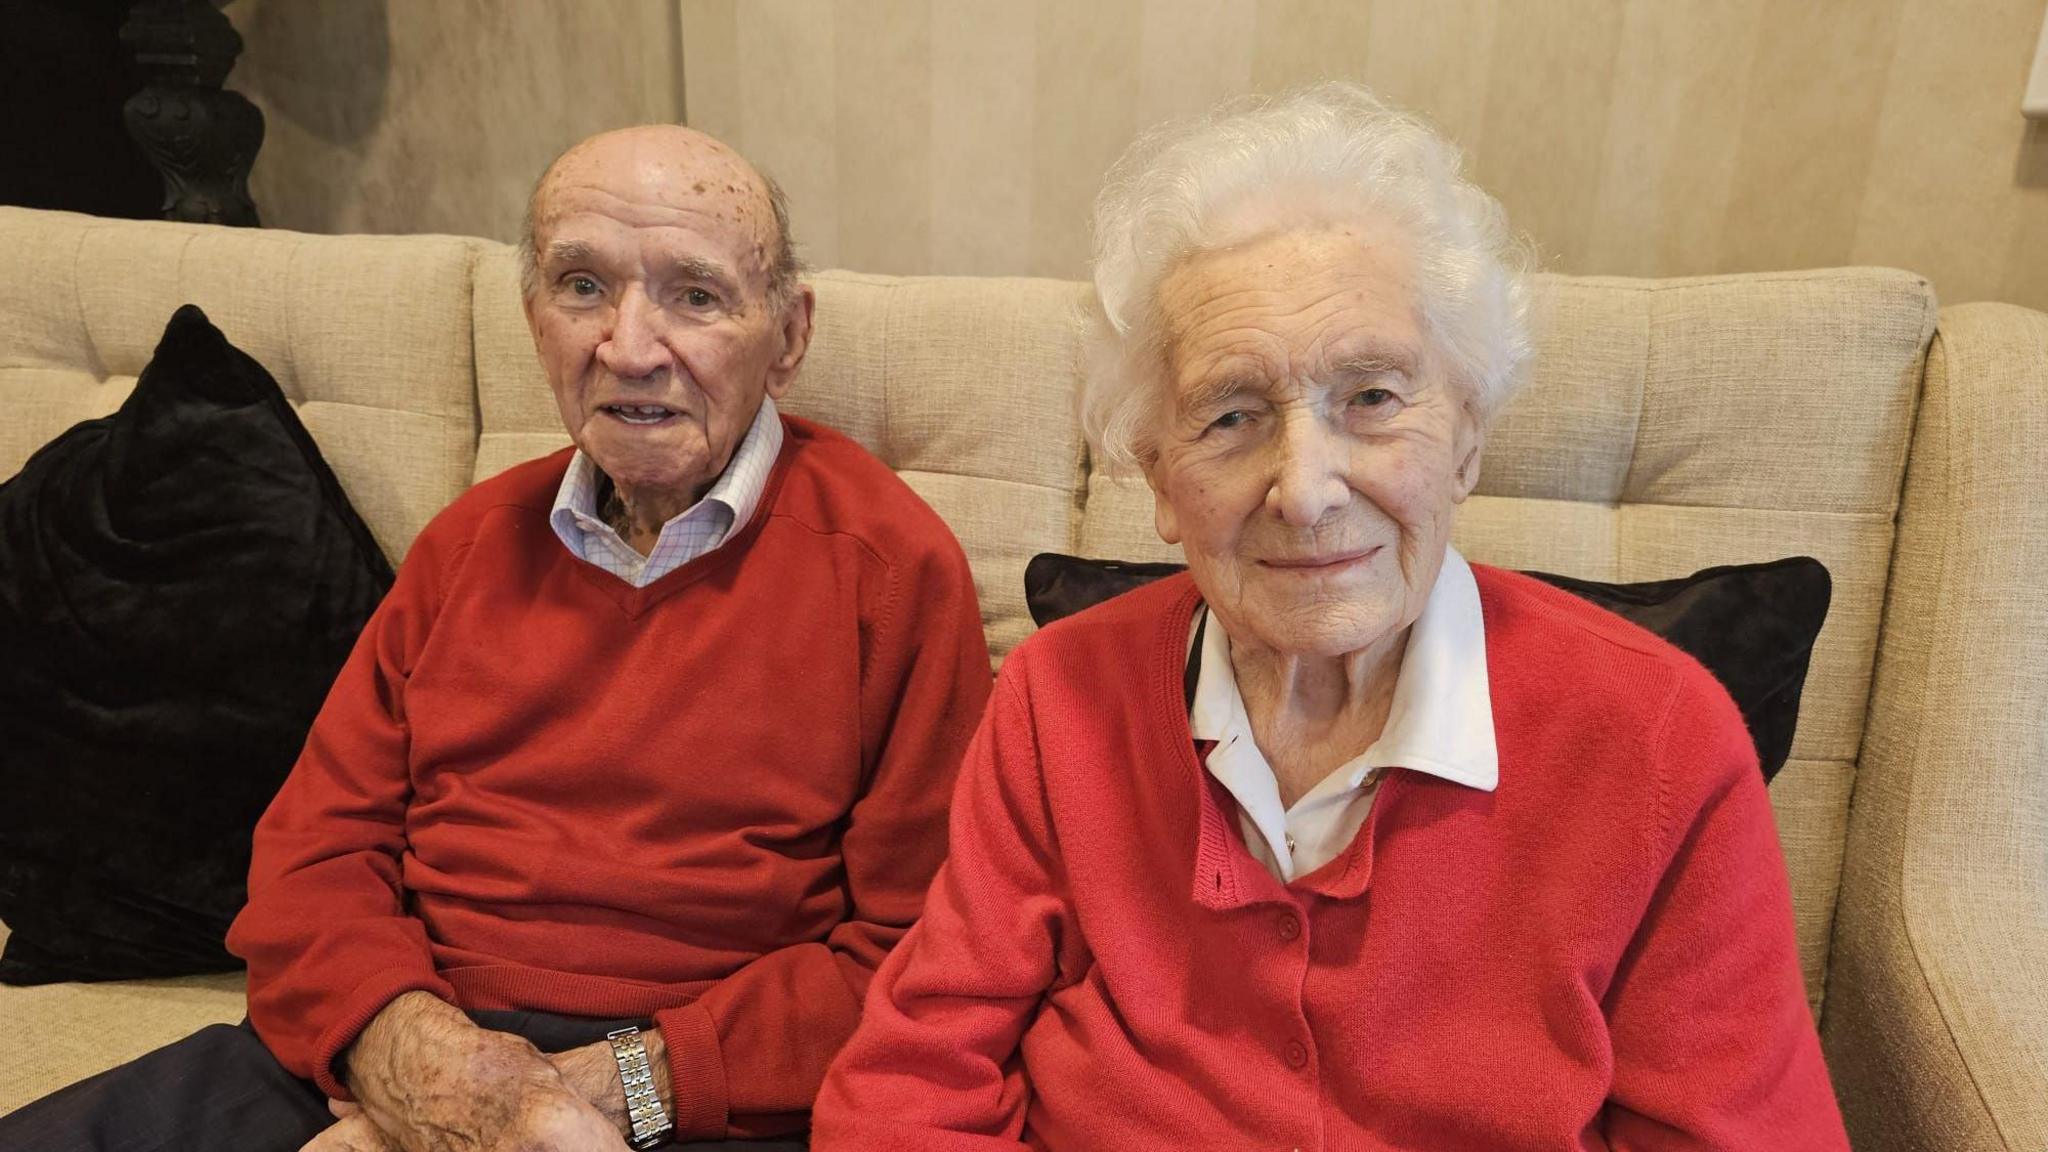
x,y
429,1080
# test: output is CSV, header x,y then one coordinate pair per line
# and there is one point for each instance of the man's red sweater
x,y
1597,955
716,800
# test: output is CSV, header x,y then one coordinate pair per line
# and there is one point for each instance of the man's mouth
x,y
639,413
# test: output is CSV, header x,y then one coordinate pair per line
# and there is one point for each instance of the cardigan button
x,y
1296,1054
1289,927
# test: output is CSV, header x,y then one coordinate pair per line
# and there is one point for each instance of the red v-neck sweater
x,y
1597,955
717,800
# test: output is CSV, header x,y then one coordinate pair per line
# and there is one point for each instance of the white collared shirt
x,y
698,530
1440,722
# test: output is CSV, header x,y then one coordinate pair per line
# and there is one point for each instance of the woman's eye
x,y
1372,397
699,298
1237,418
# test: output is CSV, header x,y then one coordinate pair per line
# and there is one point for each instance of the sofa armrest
x,y
1936,1018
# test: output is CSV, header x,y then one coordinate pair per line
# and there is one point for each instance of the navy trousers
x,y
220,1090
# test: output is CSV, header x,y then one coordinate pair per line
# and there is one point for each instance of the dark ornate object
x,y
201,137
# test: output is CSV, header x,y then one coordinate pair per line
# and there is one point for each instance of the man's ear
x,y
796,340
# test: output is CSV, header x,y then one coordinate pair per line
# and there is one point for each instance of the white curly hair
x,y
1258,165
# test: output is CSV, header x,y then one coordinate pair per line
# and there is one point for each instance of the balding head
x,y
665,308
673,165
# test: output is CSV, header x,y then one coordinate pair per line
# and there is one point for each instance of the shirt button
x,y
1289,927
1296,1054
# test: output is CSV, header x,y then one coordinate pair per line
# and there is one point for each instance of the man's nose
x,y
633,349
1308,471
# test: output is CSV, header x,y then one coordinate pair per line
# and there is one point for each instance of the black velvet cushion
x,y
179,584
1752,625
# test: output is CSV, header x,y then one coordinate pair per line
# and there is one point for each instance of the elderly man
x,y
1336,841
638,772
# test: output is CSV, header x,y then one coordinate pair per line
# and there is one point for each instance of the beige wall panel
x,y
1679,86
1191,54
1643,137
1435,56
1297,41
789,113
712,66
1941,198
883,70
1552,89
2026,263
418,117
1087,99
981,155
1808,129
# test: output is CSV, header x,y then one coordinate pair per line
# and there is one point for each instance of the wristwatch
x,y
651,1125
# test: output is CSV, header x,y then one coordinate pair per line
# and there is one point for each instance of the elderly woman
x,y
1337,841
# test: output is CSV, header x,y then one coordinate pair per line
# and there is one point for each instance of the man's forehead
x,y
655,176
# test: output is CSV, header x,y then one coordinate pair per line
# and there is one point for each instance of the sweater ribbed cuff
x,y
696,1070
354,1014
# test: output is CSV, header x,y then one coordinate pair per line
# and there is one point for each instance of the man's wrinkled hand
x,y
430,1080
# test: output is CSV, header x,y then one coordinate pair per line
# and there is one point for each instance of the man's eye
x,y
699,298
582,285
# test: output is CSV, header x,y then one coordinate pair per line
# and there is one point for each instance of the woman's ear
x,y
1468,448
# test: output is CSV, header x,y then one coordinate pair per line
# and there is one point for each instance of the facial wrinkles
x,y
645,177
651,240
1268,332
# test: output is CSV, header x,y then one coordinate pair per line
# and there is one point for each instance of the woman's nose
x,y
1308,472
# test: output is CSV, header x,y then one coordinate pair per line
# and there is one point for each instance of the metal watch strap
x,y
651,1125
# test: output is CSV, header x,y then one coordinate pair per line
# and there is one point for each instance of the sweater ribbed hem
x,y
696,1070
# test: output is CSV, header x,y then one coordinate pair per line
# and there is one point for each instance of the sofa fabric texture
x,y
1667,426
179,583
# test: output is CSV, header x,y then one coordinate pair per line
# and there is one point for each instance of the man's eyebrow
x,y
706,271
568,252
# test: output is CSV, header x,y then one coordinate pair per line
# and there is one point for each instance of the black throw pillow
x,y
179,584
1752,625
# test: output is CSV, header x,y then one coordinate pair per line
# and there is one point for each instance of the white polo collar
x,y
1440,721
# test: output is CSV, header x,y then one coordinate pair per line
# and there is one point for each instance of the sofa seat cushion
x,y
58,1034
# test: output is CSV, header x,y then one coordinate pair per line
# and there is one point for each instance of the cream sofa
x,y
1670,425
